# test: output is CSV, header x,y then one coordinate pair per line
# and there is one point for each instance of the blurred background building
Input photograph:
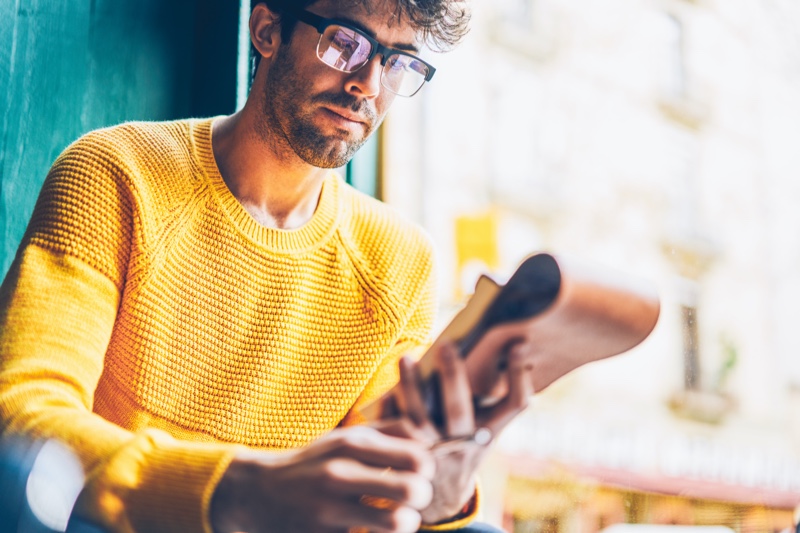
x,y
658,137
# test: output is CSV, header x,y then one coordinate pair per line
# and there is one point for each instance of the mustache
x,y
348,101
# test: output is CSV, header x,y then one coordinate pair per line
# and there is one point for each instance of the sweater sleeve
x,y
58,306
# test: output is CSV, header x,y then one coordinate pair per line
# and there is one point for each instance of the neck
x,y
276,187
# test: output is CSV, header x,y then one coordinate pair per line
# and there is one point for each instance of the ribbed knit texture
x,y
147,309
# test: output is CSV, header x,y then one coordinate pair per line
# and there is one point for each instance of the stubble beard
x,y
289,128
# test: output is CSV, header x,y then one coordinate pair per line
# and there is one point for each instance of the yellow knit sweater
x,y
153,326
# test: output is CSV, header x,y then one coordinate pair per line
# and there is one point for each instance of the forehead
x,y
383,19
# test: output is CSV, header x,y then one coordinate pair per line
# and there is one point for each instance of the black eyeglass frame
x,y
321,24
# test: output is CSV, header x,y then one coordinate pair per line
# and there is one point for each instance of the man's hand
x,y
321,487
457,463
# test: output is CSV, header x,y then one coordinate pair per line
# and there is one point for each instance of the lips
x,y
347,115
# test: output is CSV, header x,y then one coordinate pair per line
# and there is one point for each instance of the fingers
x,y
405,428
490,359
391,499
389,407
456,395
371,447
347,515
347,477
319,488
456,392
414,406
410,398
520,389
520,383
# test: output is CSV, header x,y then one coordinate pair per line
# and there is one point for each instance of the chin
x,y
330,159
328,153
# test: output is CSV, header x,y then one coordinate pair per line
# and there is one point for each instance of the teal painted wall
x,y
70,66
362,172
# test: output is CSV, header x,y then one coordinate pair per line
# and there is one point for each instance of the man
x,y
200,310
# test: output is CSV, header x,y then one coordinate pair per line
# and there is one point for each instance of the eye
x,y
361,52
415,65
344,42
398,63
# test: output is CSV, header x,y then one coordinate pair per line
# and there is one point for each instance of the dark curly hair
x,y
442,23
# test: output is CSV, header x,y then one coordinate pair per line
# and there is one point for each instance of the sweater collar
x,y
309,236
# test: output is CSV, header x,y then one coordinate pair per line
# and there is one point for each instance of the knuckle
x,y
520,359
356,437
516,352
448,367
334,471
415,491
408,427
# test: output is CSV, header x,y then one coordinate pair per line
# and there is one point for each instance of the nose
x,y
366,81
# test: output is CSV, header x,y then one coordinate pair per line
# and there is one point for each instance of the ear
x,y
265,30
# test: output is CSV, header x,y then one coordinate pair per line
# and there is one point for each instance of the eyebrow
x,y
398,46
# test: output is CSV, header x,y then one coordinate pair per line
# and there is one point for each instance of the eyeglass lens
x,y
348,50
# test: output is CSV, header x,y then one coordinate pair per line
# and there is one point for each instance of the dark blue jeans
x,y
477,527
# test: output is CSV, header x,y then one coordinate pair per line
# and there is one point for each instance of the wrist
x,y
229,501
221,509
442,511
457,520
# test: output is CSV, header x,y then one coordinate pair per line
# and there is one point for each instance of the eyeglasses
x,y
347,49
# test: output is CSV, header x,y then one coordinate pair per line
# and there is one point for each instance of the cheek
x,y
384,102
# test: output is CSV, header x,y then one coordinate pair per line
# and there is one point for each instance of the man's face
x,y
322,114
